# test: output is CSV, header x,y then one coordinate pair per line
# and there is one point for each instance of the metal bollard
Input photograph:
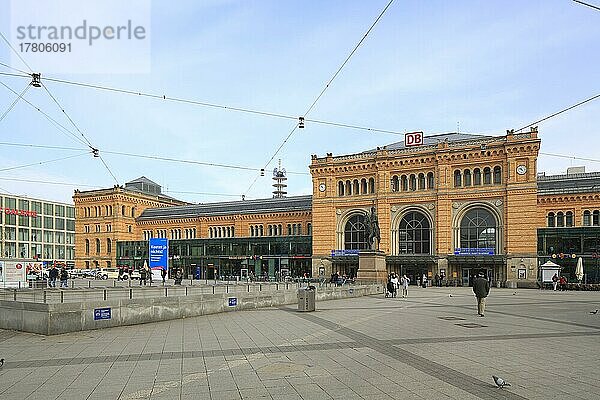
x,y
129,281
277,286
166,293
130,293
226,288
15,294
213,290
62,296
248,288
72,284
286,286
186,290
89,284
104,294
114,283
260,287
44,297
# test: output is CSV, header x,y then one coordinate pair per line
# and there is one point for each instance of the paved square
x,y
431,345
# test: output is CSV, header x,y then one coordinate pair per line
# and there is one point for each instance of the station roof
x,y
587,182
429,140
258,206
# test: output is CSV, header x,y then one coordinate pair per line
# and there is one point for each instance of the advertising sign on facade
x,y
102,313
341,253
12,273
232,302
159,252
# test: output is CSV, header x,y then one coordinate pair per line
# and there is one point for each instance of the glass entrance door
x,y
466,276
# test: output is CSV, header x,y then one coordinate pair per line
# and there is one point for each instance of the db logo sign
x,y
19,266
413,139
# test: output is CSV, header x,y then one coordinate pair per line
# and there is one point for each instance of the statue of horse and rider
x,y
372,229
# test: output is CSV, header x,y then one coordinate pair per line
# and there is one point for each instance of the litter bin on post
x,y
306,298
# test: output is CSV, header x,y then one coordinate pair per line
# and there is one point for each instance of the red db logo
x,y
18,266
413,139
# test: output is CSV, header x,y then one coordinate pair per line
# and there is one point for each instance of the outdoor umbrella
x,y
579,269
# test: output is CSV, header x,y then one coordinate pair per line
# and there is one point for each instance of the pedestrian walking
x,y
142,276
64,276
554,281
563,283
149,275
395,282
424,281
52,276
163,273
481,288
405,282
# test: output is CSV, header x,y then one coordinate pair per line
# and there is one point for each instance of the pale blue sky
x,y
490,65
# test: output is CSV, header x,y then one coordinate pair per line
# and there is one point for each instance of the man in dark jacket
x,y
481,288
52,275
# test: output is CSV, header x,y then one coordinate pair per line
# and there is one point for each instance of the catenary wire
x,y
14,103
58,125
13,68
43,162
17,75
570,157
48,182
15,51
587,4
559,112
327,85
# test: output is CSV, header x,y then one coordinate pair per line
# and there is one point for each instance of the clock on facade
x,y
322,187
521,169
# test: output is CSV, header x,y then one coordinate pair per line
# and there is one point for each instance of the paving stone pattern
x,y
546,344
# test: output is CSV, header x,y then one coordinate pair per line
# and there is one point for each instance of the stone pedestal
x,y
372,267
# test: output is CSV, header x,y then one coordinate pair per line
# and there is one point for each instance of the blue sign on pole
x,y
232,301
159,252
101,313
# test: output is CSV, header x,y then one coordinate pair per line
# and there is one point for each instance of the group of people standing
x,y
395,282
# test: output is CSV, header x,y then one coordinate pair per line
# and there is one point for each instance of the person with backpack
x,y
64,276
52,276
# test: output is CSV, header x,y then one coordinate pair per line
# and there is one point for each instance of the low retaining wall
x,y
53,319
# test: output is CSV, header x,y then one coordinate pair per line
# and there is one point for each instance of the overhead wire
x,y
57,124
558,112
570,157
16,52
327,85
42,162
587,4
14,103
13,68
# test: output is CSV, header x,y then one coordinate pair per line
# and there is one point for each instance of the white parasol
x,y
579,269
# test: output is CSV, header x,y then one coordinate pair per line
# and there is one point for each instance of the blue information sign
x,y
159,252
232,301
481,251
101,313
340,253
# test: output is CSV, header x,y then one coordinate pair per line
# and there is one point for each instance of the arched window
x,y
404,183
251,230
309,229
348,188
551,220
108,246
569,219
340,188
467,175
270,230
414,234
395,184
97,246
478,230
279,229
497,175
477,177
587,218
412,183
363,186
487,176
560,219
87,247
371,185
132,212
355,237
123,210
299,229
457,178
260,228
421,181
355,187
595,218
233,231
430,181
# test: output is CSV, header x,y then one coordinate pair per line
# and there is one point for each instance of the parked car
x,y
135,274
106,273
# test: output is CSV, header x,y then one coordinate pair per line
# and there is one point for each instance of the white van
x,y
107,273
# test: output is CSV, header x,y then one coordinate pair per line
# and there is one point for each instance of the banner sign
x,y
12,273
159,252
413,139
481,251
101,313
232,302
340,253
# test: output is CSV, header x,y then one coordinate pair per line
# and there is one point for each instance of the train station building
x,y
452,206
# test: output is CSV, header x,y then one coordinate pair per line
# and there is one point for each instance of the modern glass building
x,y
38,229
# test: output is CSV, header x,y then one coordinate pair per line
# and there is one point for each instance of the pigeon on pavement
x,y
1,362
500,382
594,312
